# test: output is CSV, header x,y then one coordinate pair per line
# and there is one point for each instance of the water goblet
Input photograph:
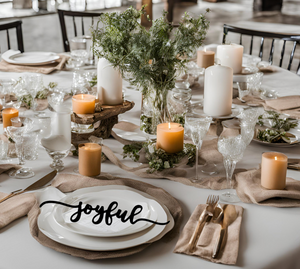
x,y
232,148
58,148
17,134
6,87
78,58
198,126
244,89
34,83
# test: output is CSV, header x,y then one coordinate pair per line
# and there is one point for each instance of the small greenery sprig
x,y
277,123
42,94
280,126
158,159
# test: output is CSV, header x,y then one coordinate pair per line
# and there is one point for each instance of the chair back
x,y
293,39
18,26
74,14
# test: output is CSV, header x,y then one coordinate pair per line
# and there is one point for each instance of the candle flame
x,y
275,158
169,125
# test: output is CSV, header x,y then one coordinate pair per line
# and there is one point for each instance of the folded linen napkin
x,y
204,248
288,104
24,204
294,164
59,64
249,190
7,167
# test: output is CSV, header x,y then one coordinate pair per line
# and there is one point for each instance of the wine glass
x,y
232,148
33,84
198,126
247,132
6,87
17,134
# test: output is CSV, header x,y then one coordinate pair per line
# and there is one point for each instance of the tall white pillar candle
x,y
231,56
61,124
218,91
109,84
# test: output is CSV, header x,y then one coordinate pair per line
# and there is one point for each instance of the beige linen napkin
x,y
7,167
24,204
204,248
59,64
294,164
288,104
249,190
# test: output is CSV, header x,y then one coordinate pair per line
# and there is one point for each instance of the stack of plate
x,y
55,221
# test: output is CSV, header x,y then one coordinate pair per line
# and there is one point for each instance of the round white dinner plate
x,y
32,58
51,229
135,136
126,200
277,145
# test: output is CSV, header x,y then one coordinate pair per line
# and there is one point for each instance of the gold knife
x,y
36,185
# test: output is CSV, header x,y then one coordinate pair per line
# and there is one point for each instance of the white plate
x,y
126,200
29,58
135,136
234,112
49,227
277,145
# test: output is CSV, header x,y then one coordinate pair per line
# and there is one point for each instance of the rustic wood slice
x,y
106,113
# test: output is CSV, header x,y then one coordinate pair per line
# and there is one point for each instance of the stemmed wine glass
x,y
198,126
17,134
232,148
33,84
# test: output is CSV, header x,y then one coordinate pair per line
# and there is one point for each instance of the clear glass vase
x,y
154,110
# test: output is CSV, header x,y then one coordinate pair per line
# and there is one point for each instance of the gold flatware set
x,y
223,215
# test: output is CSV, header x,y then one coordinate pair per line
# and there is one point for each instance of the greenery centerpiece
x,y
148,58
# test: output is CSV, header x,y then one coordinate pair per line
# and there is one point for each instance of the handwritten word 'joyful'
x,y
106,214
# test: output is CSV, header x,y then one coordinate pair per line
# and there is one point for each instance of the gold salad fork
x,y
212,201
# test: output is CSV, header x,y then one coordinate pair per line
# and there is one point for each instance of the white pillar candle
x,y
231,56
61,124
109,84
218,91
273,170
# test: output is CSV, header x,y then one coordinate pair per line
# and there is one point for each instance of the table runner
x,y
24,204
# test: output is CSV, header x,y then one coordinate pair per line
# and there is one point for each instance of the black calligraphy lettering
x,y
109,213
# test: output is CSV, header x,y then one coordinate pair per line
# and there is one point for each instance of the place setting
x,y
146,137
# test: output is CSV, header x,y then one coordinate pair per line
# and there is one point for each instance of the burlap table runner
x,y
24,204
209,153
249,190
288,104
294,164
204,248
59,64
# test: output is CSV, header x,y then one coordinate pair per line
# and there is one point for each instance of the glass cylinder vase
x,y
154,110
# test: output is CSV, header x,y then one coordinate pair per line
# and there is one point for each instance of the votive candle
x,y
89,155
83,104
7,114
205,58
170,137
273,170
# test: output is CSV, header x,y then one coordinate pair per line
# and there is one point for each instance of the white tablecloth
x,y
269,237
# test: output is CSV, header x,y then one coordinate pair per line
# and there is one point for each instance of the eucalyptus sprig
x,y
158,159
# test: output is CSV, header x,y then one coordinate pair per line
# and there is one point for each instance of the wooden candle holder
x,y
106,116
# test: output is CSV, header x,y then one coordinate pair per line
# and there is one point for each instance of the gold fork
x,y
212,201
